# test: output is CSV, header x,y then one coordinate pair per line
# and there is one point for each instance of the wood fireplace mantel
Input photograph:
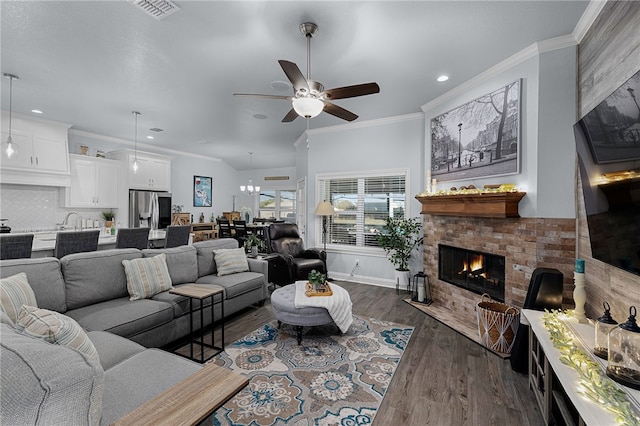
x,y
486,204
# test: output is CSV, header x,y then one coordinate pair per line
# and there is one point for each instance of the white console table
x,y
556,385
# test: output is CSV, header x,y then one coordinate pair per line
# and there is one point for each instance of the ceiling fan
x,y
309,98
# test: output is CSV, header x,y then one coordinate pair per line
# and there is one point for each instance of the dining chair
x,y
177,235
15,246
76,242
240,227
133,238
225,228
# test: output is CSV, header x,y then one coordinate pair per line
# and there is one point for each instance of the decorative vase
x,y
254,251
402,279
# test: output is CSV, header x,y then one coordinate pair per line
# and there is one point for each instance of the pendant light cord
x,y
10,102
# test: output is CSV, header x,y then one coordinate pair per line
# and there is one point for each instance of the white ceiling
x,y
90,63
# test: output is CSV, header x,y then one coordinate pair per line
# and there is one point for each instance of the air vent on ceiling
x,y
159,9
155,129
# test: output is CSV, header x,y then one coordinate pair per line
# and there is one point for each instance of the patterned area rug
x,y
330,379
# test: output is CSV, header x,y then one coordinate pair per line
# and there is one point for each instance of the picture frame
x,y
202,191
478,139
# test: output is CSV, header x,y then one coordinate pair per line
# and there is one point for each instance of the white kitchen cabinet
x,y
42,156
154,171
94,183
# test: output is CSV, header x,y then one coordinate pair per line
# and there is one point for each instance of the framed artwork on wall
x,y
202,191
478,139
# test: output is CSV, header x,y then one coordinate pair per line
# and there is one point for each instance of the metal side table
x,y
201,292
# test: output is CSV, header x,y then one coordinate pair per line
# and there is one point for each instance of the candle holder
x,y
624,352
604,325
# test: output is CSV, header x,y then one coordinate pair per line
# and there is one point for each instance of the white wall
x,y
395,143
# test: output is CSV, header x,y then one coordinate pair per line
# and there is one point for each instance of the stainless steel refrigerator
x,y
149,209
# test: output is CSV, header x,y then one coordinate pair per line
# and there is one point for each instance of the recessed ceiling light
x,y
149,137
281,86
36,111
259,116
443,78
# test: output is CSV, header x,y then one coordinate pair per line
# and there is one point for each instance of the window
x,y
362,204
277,204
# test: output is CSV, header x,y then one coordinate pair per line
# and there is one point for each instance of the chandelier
x,y
249,188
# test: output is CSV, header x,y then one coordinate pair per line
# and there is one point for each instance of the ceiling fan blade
x,y
339,112
294,75
352,91
291,115
256,95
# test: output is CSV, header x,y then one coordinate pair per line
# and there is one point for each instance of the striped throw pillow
x,y
230,261
15,291
55,328
147,276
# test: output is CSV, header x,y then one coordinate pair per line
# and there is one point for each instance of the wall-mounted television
x,y
612,128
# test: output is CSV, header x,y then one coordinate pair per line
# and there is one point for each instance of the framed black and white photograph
x,y
478,139
612,128
201,191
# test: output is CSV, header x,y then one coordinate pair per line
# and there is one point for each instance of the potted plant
x,y
317,280
252,242
108,217
399,238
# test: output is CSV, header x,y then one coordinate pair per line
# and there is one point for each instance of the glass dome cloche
x,y
624,352
604,325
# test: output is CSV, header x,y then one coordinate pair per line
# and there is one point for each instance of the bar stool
x,y
133,238
177,236
76,242
15,246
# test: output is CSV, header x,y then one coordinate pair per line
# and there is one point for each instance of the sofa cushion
x,y
47,384
182,263
235,284
15,291
230,261
124,391
96,276
55,328
113,349
147,276
123,317
45,279
206,264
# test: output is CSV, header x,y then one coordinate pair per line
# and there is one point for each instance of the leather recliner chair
x,y
284,240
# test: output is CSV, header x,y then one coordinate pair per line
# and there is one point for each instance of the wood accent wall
x,y
608,55
526,244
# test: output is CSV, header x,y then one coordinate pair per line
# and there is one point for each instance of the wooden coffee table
x,y
201,292
190,401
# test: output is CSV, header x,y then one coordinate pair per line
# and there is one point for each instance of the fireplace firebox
x,y
472,270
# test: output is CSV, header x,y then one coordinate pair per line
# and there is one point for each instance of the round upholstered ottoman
x,y
285,311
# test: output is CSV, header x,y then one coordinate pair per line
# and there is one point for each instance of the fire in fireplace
x,y
474,271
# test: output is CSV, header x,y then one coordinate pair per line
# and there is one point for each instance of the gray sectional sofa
x,y
43,383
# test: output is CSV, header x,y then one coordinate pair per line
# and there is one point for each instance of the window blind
x,y
362,204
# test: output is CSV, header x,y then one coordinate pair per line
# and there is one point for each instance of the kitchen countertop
x,y
46,241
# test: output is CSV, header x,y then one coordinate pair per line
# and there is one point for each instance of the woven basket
x,y
497,324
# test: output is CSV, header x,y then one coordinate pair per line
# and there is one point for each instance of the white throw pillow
x,y
230,261
147,276
15,291
55,328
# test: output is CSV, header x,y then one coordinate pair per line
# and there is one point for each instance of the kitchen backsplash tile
x,y
35,208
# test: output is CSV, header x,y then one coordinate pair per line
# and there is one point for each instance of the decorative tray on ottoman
x,y
324,290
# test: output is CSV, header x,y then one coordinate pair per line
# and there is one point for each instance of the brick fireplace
x,y
525,243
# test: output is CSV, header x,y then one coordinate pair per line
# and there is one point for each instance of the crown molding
x,y
154,148
525,54
588,17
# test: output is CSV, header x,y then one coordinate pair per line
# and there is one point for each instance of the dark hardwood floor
x,y
443,378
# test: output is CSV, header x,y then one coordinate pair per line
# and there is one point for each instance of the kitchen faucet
x,y
78,223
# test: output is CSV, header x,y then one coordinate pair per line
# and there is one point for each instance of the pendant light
x,y
9,148
135,143
249,188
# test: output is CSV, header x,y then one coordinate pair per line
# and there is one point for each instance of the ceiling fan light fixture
x,y
308,107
